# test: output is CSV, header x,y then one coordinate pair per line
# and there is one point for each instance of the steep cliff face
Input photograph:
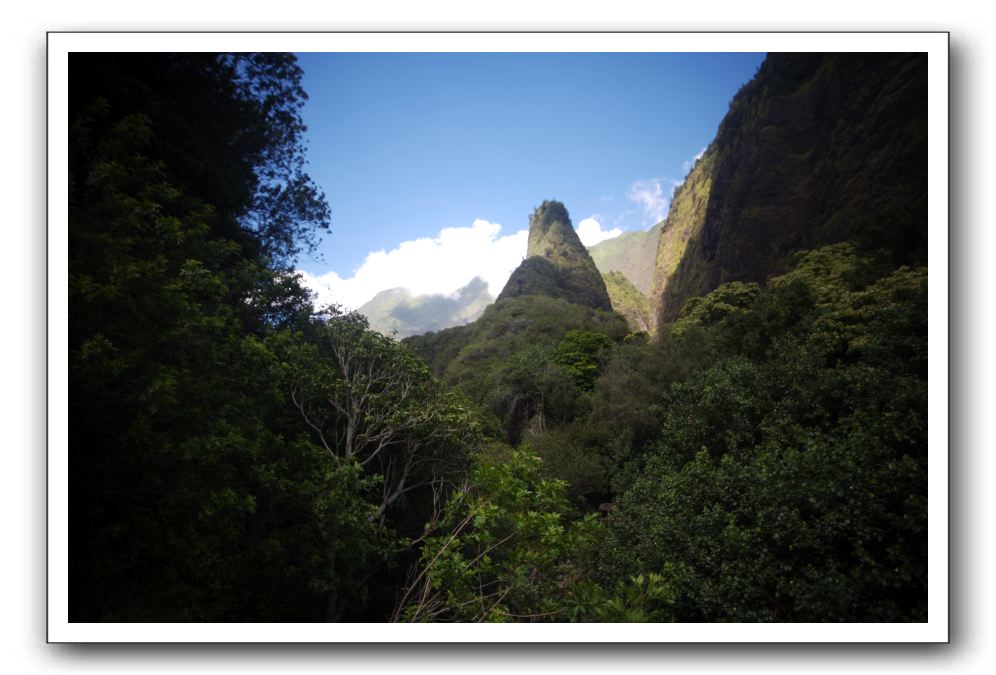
x,y
814,150
683,224
557,264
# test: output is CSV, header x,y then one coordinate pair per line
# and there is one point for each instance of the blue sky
x,y
406,146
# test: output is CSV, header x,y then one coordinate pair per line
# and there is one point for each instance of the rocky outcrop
x,y
557,264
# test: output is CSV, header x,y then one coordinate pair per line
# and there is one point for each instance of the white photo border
x,y
935,44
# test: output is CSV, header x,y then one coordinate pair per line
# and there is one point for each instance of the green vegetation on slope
x,y
506,360
557,264
766,459
631,254
789,473
628,301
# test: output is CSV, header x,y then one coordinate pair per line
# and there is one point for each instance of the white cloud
x,y
650,195
430,265
590,231
654,194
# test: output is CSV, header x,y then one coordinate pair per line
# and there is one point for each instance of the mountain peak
x,y
557,264
551,233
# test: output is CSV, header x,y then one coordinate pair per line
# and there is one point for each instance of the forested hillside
x,y
237,454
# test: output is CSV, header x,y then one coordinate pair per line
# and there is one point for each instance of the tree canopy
x,y
196,490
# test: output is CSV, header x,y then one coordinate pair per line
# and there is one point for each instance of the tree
x,y
368,399
193,493
503,550
791,484
582,353
227,131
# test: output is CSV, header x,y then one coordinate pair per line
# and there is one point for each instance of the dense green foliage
x,y
789,474
507,549
201,384
225,129
581,353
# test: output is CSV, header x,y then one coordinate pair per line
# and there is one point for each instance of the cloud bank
x,y
590,231
429,265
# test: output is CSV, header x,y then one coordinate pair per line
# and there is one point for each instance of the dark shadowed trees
x,y
193,494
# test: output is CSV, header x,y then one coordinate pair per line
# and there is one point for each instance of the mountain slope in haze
x,y
816,149
397,311
557,264
631,253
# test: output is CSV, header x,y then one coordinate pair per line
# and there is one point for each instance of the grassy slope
x,y
628,301
507,326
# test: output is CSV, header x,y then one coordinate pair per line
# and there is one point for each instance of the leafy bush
x,y
581,353
504,550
